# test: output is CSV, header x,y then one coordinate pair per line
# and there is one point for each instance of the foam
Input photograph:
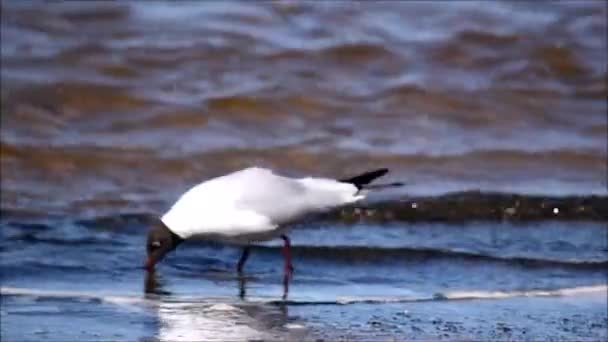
x,y
78,295
582,290
221,304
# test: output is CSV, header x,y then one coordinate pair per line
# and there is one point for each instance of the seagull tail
x,y
363,181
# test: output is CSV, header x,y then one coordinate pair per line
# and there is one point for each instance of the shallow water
x,y
94,317
93,274
332,260
111,110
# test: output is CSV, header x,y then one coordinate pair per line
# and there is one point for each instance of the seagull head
x,y
161,240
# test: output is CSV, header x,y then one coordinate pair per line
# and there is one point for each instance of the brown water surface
x,y
123,105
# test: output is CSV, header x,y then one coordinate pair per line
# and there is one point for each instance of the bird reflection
x,y
242,279
242,284
207,319
286,280
153,285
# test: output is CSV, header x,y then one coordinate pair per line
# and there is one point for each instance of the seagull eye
x,y
155,244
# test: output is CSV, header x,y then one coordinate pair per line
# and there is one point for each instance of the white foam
x,y
293,326
221,304
582,290
78,295
476,294
222,307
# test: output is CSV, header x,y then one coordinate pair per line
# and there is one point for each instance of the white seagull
x,y
251,205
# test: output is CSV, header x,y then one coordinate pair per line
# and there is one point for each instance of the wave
x,y
347,254
456,296
39,294
573,291
338,52
90,145
62,241
134,299
456,207
102,232
350,253
485,206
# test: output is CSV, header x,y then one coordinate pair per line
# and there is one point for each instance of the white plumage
x,y
253,204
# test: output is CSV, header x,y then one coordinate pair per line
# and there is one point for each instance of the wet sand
x,y
69,316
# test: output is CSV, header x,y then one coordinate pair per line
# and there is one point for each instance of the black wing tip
x,y
380,172
365,178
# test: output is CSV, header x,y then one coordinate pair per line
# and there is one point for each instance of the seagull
x,y
252,205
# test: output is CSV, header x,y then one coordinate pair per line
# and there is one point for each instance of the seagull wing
x,y
285,200
253,201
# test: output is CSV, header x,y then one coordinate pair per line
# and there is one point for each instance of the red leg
x,y
287,256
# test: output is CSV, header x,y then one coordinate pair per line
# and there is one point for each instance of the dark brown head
x,y
161,241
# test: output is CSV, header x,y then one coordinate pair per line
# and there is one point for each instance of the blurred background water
x,y
109,105
112,109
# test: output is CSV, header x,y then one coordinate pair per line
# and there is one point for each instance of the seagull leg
x,y
242,286
287,256
288,266
242,260
285,286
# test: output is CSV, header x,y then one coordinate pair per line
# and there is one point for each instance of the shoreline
x,y
572,316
